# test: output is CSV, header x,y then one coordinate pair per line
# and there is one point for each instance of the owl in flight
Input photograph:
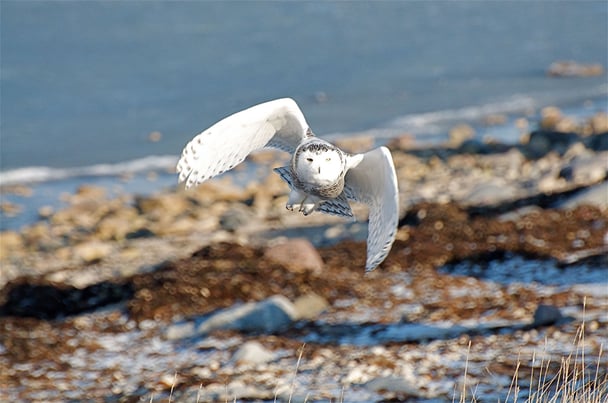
x,y
320,175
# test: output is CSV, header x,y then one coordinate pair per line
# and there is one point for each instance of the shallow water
x,y
84,83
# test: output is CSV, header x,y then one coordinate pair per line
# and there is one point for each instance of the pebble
x,y
396,385
253,352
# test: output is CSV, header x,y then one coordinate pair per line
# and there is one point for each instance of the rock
x,y
178,226
598,123
253,352
473,146
517,215
550,117
596,195
155,136
118,224
402,142
39,236
140,233
296,254
491,193
570,68
92,251
10,209
162,206
269,316
495,120
585,170
89,192
180,331
236,217
546,315
309,306
598,142
11,243
395,385
460,133
543,141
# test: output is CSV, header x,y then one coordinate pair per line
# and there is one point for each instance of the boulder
x,y
309,306
546,315
596,195
268,316
296,254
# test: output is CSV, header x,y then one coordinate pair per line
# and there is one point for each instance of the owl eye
x,y
309,159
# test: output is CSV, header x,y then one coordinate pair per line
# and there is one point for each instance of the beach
x,y
219,293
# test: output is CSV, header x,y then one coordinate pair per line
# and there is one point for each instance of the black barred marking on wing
x,y
286,175
338,206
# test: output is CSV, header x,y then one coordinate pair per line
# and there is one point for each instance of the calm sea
x,y
84,83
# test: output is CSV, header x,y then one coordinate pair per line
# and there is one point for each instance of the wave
x,y
438,121
37,174
435,122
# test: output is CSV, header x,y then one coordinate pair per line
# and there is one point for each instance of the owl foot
x,y
306,205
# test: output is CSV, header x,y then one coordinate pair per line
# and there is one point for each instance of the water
x,y
85,83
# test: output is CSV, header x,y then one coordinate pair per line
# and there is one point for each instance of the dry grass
x,y
575,381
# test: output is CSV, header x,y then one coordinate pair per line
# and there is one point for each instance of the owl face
x,y
319,164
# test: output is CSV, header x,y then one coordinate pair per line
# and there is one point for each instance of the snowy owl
x,y
320,175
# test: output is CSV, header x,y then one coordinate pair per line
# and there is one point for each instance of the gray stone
x,y
546,315
596,195
583,170
235,218
269,316
491,192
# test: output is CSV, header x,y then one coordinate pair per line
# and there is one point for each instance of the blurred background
x,y
114,83
111,276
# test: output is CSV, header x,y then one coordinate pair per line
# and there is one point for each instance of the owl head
x,y
319,163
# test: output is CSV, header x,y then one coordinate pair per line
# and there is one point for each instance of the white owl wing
x,y
373,181
279,124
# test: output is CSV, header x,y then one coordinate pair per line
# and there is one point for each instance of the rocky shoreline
x,y
221,294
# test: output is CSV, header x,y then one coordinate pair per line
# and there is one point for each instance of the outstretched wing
x,y
373,181
279,123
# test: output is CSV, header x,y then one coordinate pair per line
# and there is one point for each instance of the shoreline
x,y
31,189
